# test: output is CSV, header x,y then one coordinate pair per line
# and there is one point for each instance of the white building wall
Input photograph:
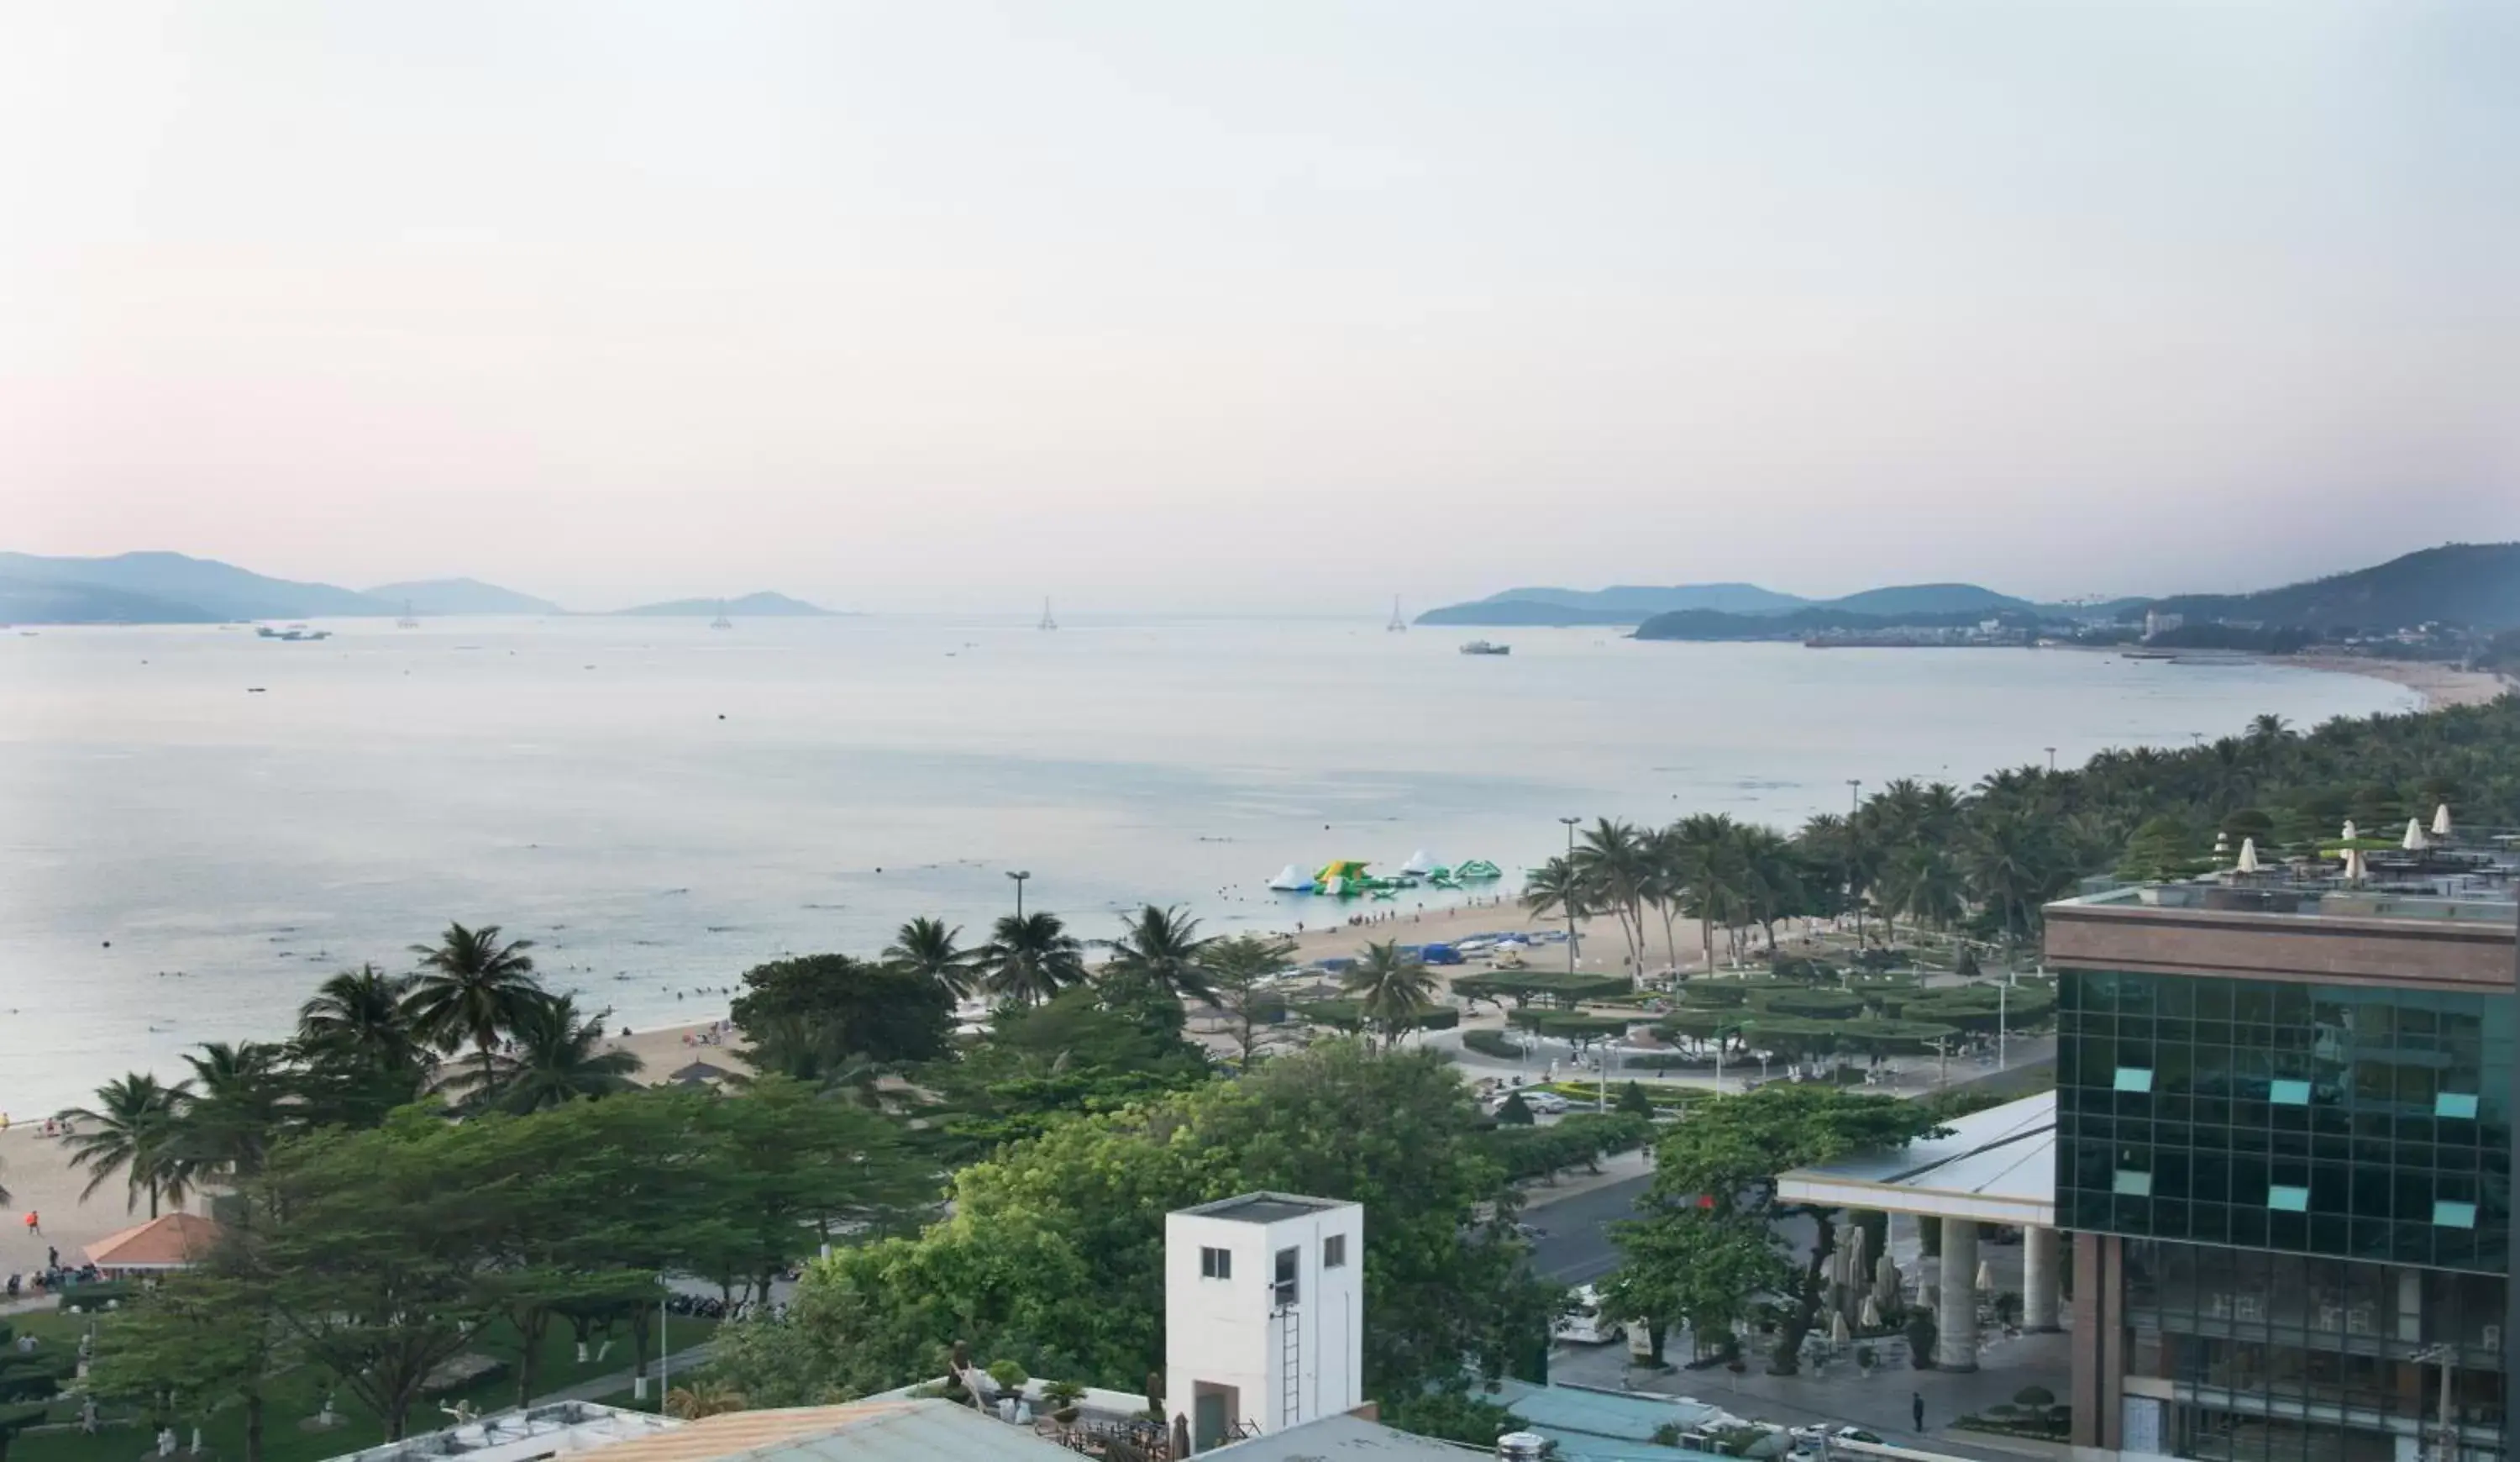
x,y
1224,1332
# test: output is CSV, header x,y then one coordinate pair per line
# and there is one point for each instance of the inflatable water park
x,y
1352,877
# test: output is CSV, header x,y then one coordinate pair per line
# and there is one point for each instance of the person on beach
x,y
34,1223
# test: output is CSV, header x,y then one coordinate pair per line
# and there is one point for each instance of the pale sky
x,y
936,304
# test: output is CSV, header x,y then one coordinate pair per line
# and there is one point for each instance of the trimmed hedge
x,y
1493,1043
1583,1138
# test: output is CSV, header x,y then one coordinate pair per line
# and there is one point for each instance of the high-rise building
x,y
2284,1147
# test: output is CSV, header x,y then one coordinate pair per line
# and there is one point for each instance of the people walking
x,y
1916,1408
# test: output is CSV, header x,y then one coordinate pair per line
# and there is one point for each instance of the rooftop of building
x,y
521,1435
1264,1207
901,1430
1998,1166
2440,875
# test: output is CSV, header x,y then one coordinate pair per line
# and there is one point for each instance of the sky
x,y
1228,306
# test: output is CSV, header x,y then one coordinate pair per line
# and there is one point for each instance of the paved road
x,y
1574,1247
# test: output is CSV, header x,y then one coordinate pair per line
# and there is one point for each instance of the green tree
x,y
1242,972
132,1130
558,1056
1077,1054
472,987
355,1056
1052,1254
889,1013
201,1338
1030,958
1514,1112
1706,1247
1391,990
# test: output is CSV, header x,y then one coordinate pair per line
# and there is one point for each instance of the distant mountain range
x,y
1633,605
172,588
461,596
2469,584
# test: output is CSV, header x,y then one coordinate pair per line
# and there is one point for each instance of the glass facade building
x,y
2306,1188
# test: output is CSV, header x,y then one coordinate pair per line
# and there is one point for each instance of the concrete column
x,y
1956,1342
2039,1279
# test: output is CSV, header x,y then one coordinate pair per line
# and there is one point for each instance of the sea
x,y
200,824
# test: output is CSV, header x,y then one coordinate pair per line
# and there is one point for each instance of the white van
x,y
1584,1325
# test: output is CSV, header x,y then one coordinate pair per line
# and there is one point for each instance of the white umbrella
x,y
1984,1275
1871,1313
2350,833
2248,855
1837,1331
2413,841
2353,865
2441,820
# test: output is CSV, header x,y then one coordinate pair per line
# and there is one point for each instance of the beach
x,y
2439,685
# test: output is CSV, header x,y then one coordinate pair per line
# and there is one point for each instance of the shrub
x,y
2033,1396
1010,1375
1493,1043
1921,1335
1515,1113
1634,1101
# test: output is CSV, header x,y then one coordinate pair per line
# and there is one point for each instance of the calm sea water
x,y
660,806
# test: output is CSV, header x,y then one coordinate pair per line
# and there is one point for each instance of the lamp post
x,y
1571,890
2052,759
1019,876
2448,1433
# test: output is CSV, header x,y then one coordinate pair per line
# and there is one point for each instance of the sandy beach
x,y
2439,684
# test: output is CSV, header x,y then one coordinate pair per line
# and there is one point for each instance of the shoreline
x,y
2438,686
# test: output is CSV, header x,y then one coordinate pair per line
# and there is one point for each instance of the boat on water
x,y
295,632
1486,647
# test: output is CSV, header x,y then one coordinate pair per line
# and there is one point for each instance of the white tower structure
x,y
1264,1313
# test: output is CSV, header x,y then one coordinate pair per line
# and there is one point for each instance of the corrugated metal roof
x,y
923,1431
1346,1438
1997,1163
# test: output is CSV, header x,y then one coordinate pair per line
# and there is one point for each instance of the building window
x,y
2454,1104
2290,1093
1215,1263
2449,1214
2135,1078
2287,1197
1334,1252
2132,1184
1284,1285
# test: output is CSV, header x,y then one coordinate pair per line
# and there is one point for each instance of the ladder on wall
x,y
1290,1359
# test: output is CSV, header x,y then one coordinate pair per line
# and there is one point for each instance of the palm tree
x,y
1613,859
1923,884
811,1051
1557,887
130,1131
1163,946
1030,957
2269,730
239,1103
558,1057
1705,867
472,988
930,947
362,1012
1390,988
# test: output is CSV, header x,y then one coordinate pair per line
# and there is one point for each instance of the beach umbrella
x,y
2353,865
1839,1334
1885,1280
2350,833
2248,855
2413,841
2441,820
1871,1318
1984,1275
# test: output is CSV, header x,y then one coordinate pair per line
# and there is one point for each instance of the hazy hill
x,y
461,596
1629,605
195,589
762,605
35,601
2476,584
1928,599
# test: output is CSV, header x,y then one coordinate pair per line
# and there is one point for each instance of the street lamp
x,y
2448,1433
1019,876
2051,758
